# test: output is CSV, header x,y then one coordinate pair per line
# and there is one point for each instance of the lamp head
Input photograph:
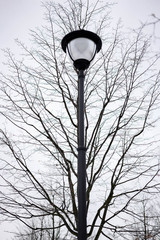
x,y
82,46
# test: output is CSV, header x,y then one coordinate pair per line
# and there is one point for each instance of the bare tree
x,y
147,221
26,233
39,98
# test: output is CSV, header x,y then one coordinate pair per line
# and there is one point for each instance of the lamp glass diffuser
x,y
81,48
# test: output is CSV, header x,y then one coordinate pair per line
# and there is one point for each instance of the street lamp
x,y
81,46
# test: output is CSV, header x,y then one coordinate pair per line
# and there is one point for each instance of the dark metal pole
x,y
82,222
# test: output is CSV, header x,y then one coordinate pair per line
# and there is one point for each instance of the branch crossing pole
x,y
82,222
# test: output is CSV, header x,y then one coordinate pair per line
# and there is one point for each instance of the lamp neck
x,y
81,64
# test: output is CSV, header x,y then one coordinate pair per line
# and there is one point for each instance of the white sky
x,y
18,16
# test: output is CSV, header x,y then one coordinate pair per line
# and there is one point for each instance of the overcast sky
x,y
18,16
